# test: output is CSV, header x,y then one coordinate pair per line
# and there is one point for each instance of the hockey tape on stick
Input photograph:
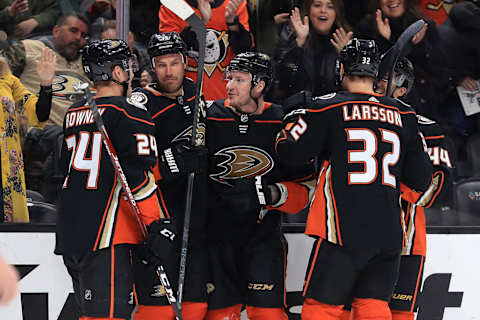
x,y
186,13
401,48
123,180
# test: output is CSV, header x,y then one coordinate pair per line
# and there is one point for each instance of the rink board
x,y
450,288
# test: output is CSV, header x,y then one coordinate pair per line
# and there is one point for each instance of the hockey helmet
x,y
166,43
360,58
257,64
404,74
101,56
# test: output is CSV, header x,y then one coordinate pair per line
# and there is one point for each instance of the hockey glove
x,y
248,195
160,243
180,160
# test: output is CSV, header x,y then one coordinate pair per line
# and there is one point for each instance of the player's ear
x,y
400,92
258,89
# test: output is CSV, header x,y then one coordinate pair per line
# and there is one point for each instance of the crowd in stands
x,y
303,37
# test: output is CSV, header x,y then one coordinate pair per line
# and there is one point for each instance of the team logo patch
x,y
136,104
139,97
295,113
210,287
186,135
242,162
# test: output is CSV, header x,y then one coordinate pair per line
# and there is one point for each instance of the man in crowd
x,y
97,232
69,36
248,192
227,35
368,144
170,100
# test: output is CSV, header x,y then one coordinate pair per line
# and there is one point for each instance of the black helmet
x,y
360,58
101,56
166,43
255,63
404,74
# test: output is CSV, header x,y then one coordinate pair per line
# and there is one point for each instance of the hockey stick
x,y
401,48
186,13
126,188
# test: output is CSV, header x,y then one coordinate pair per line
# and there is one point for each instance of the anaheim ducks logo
x,y
62,87
216,48
187,134
242,162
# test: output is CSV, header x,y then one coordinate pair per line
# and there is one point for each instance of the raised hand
x,y
17,7
231,9
281,17
418,37
46,67
205,10
383,25
340,39
300,26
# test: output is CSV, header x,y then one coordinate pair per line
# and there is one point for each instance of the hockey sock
x,y
316,310
154,313
370,309
94,318
194,310
256,313
402,315
230,313
346,315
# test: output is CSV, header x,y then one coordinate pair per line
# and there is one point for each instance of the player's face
x,y
392,8
238,91
170,71
70,37
322,15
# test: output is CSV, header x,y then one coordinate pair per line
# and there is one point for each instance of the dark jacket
x,y
310,68
427,58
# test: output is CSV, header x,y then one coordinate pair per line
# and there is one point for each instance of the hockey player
x,y
368,143
414,250
96,231
248,191
170,100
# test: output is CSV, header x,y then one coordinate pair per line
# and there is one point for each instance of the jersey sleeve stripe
x,y
220,119
434,137
163,110
147,188
105,236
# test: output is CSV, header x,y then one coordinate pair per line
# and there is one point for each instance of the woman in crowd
x,y
20,109
385,22
308,47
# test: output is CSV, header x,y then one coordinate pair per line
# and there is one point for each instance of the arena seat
x,y
467,201
441,216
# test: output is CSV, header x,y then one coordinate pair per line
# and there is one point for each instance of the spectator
x,y
21,18
145,77
228,34
20,108
385,23
8,282
460,38
308,47
263,17
140,58
69,36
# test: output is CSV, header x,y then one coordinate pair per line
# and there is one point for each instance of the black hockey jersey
x,y
439,193
92,212
173,117
243,146
369,143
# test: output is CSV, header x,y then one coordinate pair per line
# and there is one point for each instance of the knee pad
x,y
229,313
316,310
346,315
402,315
194,310
256,313
154,313
370,309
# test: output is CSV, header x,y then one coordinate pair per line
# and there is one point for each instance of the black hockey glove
x,y
248,195
160,243
180,160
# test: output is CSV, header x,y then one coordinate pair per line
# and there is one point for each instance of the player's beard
x,y
170,88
